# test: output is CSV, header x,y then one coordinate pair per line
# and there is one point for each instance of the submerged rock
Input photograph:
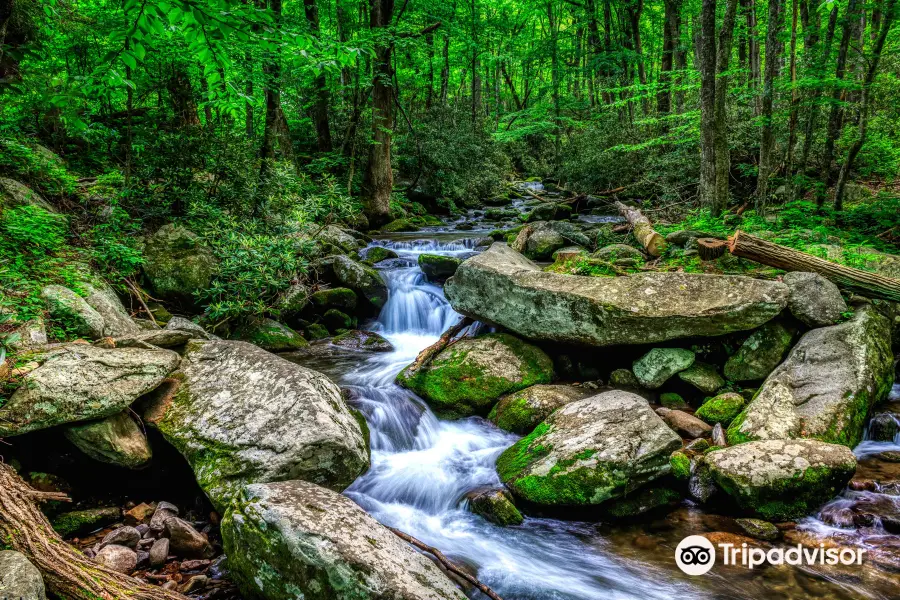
x,y
502,287
590,451
522,411
177,263
759,529
79,382
116,440
72,313
781,479
657,366
495,505
270,335
826,386
362,340
243,415
813,299
285,537
19,579
759,354
468,376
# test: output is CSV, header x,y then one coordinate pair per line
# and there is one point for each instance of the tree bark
x,y
812,117
795,100
835,118
429,93
654,243
11,37
667,63
753,49
722,149
320,104
275,132
767,138
707,62
181,94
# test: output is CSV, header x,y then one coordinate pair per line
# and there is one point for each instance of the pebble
x,y
194,584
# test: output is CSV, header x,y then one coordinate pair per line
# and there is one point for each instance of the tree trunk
x,y
476,69
11,38
836,116
664,96
767,138
554,75
722,149
707,62
429,93
642,229
753,49
810,129
320,105
184,107
445,69
795,100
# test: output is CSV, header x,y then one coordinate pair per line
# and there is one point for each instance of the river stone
x,y
376,254
883,427
19,579
295,539
270,335
185,541
703,376
614,252
242,415
590,451
116,440
684,423
721,409
623,378
504,288
123,536
116,320
813,299
495,505
781,479
362,340
341,298
177,263
159,552
759,529
360,278
196,331
538,241
826,386
438,267
759,354
78,382
71,312
657,366
522,411
117,558
467,377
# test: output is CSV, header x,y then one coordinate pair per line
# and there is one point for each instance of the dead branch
x,y
426,355
643,230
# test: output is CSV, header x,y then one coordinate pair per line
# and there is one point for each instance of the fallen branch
x,y
134,289
642,229
426,355
447,564
67,572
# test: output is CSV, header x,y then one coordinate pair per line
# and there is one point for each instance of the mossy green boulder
x,y
657,366
360,278
522,411
640,502
270,335
672,400
722,408
368,341
177,263
340,298
623,378
399,225
438,267
376,254
780,480
760,353
495,505
470,375
80,521
538,241
703,376
589,452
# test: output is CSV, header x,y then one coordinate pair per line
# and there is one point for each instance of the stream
x,y
423,466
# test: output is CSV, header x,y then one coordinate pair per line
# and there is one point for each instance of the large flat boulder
x,y
78,382
590,451
502,287
243,415
295,539
825,387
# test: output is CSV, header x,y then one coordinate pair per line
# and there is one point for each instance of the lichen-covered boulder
x,y
78,382
341,298
590,451
368,341
116,320
467,377
19,579
722,408
522,411
294,539
614,252
14,195
177,263
495,505
360,278
242,415
759,354
399,225
270,335
813,299
116,440
781,479
624,378
702,376
161,338
196,331
656,367
825,387
72,313
376,254
502,287
538,241
438,267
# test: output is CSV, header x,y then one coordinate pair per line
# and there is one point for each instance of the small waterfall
x,y
870,446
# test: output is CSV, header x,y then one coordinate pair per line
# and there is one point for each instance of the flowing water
x,y
422,467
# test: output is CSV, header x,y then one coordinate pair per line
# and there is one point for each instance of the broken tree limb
x,y
446,563
426,355
871,285
654,243
67,572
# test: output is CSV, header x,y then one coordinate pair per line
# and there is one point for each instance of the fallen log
x,y
871,285
654,243
446,563
67,572
426,355
710,248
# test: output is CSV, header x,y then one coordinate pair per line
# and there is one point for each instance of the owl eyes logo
x,y
695,555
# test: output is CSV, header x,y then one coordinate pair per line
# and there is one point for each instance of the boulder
x,y
522,411
341,298
759,529
759,354
438,267
177,264
813,299
116,320
123,536
333,236
14,195
656,367
781,479
702,376
538,241
72,313
399,225
672,400
468,376
684,423
590,451
19,579
159,552
161,338
504,288
495,505
338,321
360,278
826,386
613,252
362,340
376,254
82,521
116,440
285,537
721,409
242,415
269,335
30,335
623,378
78,382
291,303
197,332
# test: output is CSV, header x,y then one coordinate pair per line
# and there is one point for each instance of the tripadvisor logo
x,y
696,555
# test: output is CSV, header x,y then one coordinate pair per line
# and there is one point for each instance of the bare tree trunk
x,y
248,105
11,38
664,96
722,149
445,69
795,100
476,70
320,105
707,61
429,94
554,74
810,129
753,45
767,138
836,117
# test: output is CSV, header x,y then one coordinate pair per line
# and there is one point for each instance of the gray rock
x,y
813,299
72,312
657,366
718,436
614,252
362,340
116,321
117,558
590,451
123,536
703,376
116,440
826,386
759,354
159,551
78,382
182,324
185,541
495,505
160,338
270,335
164,511
32,335
682,236
243,415
360,278
290,536
522,411
438,267
177,263
684,423
502,287
883,427
623,378
15,195
538,241
759,529
19,579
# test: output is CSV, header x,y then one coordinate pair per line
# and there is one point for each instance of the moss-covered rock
x,y
522,411
657,366
72,313
495,505
316,331
177,264
702,376
640,502
590,451
470,375
360,278
376,254
362,340
116,440
623,378
81,521
538,241
681,465
14,195
613,252
760,353
759,529
339,298
270,335
722,408
672,400
336,320
399,225
438,267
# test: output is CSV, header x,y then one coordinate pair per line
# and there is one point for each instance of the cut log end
x,y
710,248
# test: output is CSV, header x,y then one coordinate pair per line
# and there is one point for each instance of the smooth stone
x,y
684,423
70,311
123,536
657,366
159,551
117,558
759,529
702,376
185,541
115,440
